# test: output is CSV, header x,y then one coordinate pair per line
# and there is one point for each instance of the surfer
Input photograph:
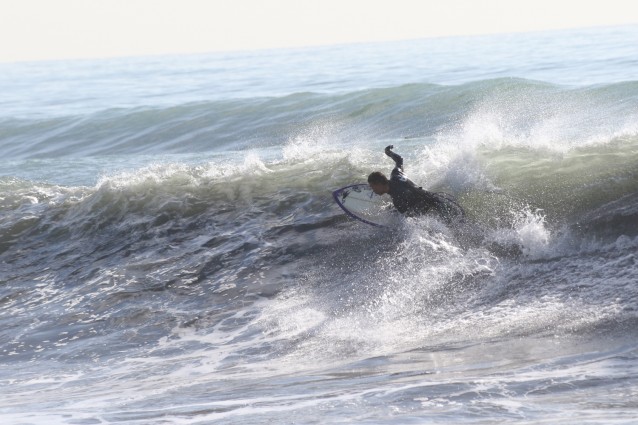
x,y
407,197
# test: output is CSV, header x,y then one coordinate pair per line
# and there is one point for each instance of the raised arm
x,y
398,161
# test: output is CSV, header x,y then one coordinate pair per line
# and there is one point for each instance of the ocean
x,y
170,252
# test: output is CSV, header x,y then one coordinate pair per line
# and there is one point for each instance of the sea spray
x,y
170,251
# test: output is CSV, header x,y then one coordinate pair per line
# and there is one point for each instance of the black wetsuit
x,y
412,200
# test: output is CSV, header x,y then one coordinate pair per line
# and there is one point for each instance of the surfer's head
x,y
379,183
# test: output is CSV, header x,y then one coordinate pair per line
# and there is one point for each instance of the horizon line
x,y
106,57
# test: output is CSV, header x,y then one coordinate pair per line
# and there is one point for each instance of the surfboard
x,y
361,203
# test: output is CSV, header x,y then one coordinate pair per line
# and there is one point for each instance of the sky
x,y
68,29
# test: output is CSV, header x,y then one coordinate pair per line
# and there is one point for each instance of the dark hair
x,y
377,178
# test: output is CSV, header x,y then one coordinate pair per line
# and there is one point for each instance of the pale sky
x,y
65,29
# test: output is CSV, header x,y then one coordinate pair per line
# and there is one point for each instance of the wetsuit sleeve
x,y
398,161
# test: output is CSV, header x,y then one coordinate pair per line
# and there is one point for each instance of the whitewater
x,y
170,252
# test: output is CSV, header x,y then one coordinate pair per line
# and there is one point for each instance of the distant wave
x,y
518,106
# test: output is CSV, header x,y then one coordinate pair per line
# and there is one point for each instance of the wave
x,y
590,187
245,245
245,270
530,109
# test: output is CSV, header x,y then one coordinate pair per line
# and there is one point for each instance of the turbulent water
x,y
170,251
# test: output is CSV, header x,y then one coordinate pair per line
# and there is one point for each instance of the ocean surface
x,y
170,252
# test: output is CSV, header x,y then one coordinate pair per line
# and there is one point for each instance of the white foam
x,y
529,232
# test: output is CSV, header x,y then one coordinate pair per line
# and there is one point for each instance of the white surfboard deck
x,y
361,203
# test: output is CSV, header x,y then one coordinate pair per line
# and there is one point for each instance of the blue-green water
x,y
170,252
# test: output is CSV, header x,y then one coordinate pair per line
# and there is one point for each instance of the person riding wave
x,y
410,199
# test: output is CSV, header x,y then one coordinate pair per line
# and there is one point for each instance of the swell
x,y
232,216
144,254
567,186
414,110
137,250
591,188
